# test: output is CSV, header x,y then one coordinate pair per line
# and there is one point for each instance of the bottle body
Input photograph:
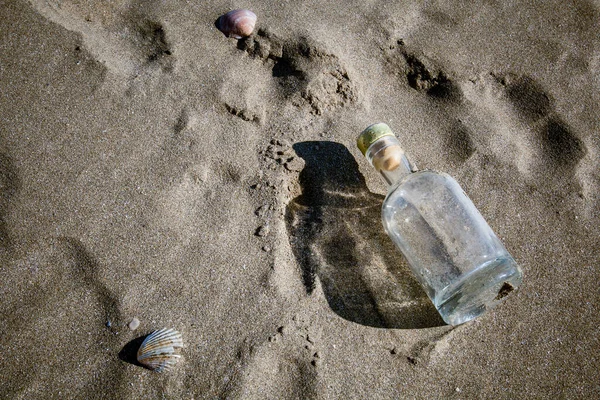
x,y
452,251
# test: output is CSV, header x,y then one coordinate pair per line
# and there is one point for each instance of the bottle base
x,y
479,291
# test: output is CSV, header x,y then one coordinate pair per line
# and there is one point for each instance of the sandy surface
x,y
151,167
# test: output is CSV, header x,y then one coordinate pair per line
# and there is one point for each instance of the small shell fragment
x,y
237,23
157,352
134,324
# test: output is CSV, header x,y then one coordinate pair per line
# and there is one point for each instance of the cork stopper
x,y
372,134
388,159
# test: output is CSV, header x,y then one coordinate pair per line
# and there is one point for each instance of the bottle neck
x,y
393,177
388,158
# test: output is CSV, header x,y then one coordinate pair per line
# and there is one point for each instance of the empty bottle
x,y
452,251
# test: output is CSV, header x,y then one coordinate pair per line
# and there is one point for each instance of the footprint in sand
x,y
499,115
124,35
445,96
275,374
560,148
306,72
421,73
301,73
58,321
528,131
243,94
336,235
286,366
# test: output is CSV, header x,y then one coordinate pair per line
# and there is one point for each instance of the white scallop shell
x,y
157,352
237,23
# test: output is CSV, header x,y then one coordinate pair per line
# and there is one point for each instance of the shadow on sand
x,y
336,234
129,352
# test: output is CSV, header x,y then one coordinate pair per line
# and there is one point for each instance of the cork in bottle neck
x,y
382,149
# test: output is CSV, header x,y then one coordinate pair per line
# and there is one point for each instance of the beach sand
x,y
152,168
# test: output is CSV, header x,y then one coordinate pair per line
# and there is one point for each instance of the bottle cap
x,y
372,134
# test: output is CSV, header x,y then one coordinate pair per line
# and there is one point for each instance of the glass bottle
x,y
452,251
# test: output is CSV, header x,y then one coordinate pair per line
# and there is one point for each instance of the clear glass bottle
x,y
452,251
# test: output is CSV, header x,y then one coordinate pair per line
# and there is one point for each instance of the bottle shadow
x,y
336,235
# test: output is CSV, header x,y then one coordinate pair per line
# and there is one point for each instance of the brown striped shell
x,y
237,23
157,351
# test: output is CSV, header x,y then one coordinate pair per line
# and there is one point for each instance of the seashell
x,y
157,351
237,23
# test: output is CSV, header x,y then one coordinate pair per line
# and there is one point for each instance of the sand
x,y
152,168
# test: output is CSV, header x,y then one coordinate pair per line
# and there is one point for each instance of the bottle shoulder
x,y
420,180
